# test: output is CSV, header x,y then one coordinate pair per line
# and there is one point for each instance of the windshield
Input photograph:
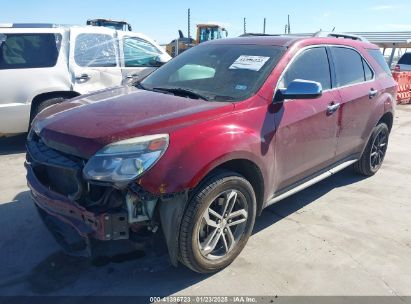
x,y
217,72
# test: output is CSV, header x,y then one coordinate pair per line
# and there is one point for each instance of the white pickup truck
x,y
43,64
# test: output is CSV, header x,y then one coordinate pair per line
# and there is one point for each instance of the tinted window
x,y
95,50
405,59
221,72
377,55
25,51
348,66
312,65
368,73
139,52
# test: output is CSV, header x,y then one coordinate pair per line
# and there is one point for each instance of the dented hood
x,y
87,123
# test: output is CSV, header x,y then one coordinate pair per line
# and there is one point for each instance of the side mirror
x,y
161,59
3,38
299,89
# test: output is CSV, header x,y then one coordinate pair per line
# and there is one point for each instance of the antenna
x,y
245,26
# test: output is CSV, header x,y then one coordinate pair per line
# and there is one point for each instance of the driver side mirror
x,y
299,89
160,60
3,38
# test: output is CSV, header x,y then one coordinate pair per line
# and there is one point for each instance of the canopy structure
x,y
385,40
388,39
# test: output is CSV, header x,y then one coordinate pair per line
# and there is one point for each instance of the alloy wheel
x,y
222,225
378,149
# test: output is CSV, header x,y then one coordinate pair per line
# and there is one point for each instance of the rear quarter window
x,y
405,59
28,51
379,58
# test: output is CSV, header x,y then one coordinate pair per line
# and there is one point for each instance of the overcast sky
x,y
161,19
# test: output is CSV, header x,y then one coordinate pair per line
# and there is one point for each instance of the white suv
x,y
43,64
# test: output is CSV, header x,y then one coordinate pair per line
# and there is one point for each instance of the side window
x,y
377,55
28,51
348,66
95,50
368,73
312,65
139,52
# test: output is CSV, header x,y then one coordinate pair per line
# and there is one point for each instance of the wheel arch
x,y
251,172
388,119
55,94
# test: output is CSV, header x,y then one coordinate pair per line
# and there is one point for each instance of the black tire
x,y
208,193
365,166
44,104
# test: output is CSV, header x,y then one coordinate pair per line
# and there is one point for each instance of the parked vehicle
x,y
404,63
202,145
205,32
40,67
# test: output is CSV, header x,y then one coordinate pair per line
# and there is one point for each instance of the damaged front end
x,y
80,200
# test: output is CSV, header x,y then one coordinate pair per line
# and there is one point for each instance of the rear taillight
x,y
397,68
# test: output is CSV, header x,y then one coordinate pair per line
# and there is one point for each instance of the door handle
x,y
83,77
372,93
332,108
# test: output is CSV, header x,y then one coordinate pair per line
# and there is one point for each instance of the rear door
x,y
358,90
94,59
306,135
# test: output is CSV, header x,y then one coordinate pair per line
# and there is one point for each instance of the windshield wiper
x,y
181,91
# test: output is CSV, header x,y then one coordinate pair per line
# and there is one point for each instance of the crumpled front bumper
x,y
66,219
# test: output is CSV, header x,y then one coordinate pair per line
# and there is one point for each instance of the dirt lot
x,y
344,236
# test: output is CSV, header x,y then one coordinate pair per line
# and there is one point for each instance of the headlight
x,y
126,160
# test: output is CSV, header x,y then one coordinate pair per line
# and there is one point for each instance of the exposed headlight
x,y
126,160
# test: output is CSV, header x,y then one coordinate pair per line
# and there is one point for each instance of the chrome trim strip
x,y
310,182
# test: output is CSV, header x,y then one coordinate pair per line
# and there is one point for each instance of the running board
x,y
311,182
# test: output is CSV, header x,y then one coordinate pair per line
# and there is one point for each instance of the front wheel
x,y
217,223
373,156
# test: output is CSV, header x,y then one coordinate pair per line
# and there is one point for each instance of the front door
x,y
306,135
94,59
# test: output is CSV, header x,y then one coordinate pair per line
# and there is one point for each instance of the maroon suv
x,y
197,149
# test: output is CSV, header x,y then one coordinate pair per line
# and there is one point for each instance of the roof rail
x,y
258,35
339,35
28,25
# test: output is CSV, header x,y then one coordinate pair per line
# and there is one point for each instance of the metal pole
x,y
189,25
289,25
264,26
392,56
245,26
176,47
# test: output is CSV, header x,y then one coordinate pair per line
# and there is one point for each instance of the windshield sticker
x,y
254,63
241,87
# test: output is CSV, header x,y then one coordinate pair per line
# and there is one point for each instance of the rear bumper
x,y
105,226
14,118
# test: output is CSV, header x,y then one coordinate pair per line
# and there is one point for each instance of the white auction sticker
x,y
254,63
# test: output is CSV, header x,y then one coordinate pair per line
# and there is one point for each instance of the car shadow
x,y
31,262
13,144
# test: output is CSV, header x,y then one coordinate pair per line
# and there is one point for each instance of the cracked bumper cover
x,y
106,226
66,219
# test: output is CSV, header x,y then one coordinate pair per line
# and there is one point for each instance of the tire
x,y
44,104
368,165
231,231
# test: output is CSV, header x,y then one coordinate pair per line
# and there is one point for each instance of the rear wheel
x,y
217,223
374,154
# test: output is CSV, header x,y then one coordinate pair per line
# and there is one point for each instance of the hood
x,y
84,125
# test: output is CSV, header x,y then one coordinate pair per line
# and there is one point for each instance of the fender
x,y
192,155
